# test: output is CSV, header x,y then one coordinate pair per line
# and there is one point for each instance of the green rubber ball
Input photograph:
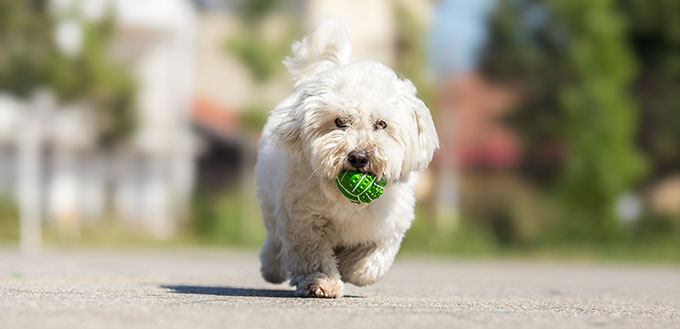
x,y
360,187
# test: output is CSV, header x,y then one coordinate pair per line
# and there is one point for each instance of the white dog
x,y
342,115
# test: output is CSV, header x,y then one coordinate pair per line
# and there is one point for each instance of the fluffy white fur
x,y
316,237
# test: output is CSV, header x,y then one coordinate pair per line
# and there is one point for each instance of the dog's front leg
x,y
365,264
309,258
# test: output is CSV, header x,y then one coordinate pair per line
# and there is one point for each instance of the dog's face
x,y
360,116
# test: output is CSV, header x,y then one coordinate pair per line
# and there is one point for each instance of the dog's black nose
x,y
358,159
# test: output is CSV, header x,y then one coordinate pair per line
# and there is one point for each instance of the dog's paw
x,y
320,287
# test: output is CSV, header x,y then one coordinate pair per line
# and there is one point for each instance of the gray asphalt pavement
x,y
219,289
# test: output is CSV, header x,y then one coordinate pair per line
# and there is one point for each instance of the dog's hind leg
x,y
270,256
272,267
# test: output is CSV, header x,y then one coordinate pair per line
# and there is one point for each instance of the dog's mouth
x,y
369,171
370,168
364,170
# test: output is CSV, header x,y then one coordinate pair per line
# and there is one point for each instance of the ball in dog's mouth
x,y
360,187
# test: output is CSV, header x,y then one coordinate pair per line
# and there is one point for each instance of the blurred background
x,y
135,122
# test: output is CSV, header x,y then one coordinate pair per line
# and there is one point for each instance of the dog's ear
x,y
319,51
288,132
425,142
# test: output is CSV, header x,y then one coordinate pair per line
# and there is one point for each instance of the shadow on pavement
x,y
230,291
235,292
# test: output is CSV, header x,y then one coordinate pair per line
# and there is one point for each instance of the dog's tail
x,y
319,51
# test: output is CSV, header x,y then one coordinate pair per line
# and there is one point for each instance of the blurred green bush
x,y
9,220
228,218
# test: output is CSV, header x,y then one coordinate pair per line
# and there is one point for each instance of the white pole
x,y
447,203
29,172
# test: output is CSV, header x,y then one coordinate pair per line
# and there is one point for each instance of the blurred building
x,y
370,25
222,83
147,182
481,140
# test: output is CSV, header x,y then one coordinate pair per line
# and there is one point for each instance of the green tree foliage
x,y
30,60
261,53
25,44
599,117
574,60
411,53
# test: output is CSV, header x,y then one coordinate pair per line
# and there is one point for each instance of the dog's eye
x,y
340,123
380,125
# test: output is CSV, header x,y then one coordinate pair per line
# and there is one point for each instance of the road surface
x,y
219,289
